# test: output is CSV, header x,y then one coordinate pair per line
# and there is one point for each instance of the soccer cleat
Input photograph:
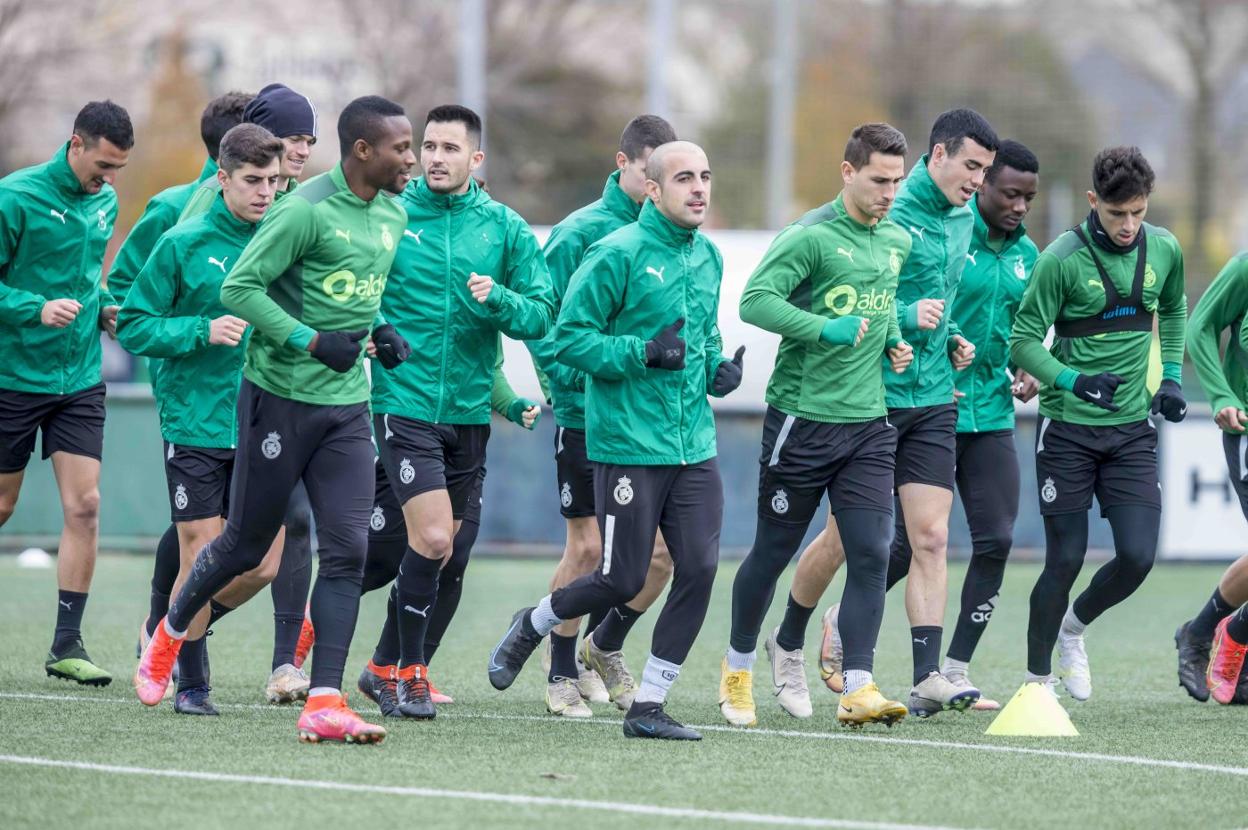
x,y
831,652
788,677
414,698
589,682
1072,666
1193,662
380,685
329,718
935,693
307,637
74,664
963,682
564,700
286,684
736,695
138,652
1226,660
648,720
610,666
439,698
194,701
151,678
867,705
509,656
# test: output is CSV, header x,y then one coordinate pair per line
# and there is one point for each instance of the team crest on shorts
x,y
272,446
624,491
565,495
406,471
780,502
1049,491
378,520
180,498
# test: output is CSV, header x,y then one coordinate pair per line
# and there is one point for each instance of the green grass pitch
x,y
1147,756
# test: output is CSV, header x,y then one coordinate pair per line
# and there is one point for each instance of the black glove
x,y
392,349
338,350
1169,401
728,374
1098,389
667,349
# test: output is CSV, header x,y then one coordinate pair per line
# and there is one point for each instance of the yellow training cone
x,y
1034,712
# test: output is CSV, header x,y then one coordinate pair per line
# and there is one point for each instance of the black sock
x,y
69,608
610,633
562,657
164,574
925,645
1213,611
286,628
594,620
217,611
1237,628
387,651
979,598
289,591
418,593
191,664
792,634
450,588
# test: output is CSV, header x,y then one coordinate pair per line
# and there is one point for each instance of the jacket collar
x,y
980,232
221,217
838,204
664,229
451,202
925,190
62,175
617,201
209,170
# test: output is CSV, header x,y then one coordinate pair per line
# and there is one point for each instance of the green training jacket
x,y
203,195
631,285
824,266
52,240
1222,307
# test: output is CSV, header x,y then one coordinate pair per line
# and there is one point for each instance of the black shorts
x,y
387,520
199,481
1236,449
1116,463
926,444
420,457
72,423
576,474
802,459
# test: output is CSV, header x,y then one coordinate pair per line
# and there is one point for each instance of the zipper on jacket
x,y
680,390
447,287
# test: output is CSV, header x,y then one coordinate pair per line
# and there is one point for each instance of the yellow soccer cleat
x,y
736,695
867,705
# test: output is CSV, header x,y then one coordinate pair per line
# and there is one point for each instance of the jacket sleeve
x,y
792,258
285,235
595,295
140,242
1222,302
563,253
714,348
501,394
1041,303
146,323
522,304
17,307
1172,311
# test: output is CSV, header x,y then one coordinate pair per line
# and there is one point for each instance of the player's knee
x,y
625,585
1135,561
929,540
82,512
698,571
8,503
298,524
995,544
435,542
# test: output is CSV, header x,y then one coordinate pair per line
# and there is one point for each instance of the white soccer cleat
x,y
590,684
788,677
1072,665
832,651
963,682
563,700
287,684
936,693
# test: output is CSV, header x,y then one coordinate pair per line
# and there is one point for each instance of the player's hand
x,y
524,412
480,285
1169,401
1098,389
389,347
667,349
929,312
58,314
1025,387
963,352
845,331
108,320
1231,419
339,350
901,356
728,374
226,330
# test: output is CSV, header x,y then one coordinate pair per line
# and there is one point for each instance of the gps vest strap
x,y
1119,314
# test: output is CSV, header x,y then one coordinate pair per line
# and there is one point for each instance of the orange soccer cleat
x,y
439,698
1226,659
329,718
151,678
307,636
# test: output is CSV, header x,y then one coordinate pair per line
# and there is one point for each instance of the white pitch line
x,y
1134,760
471,795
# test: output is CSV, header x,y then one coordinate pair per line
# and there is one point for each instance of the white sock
x,y
1071,626
323,690
656,680
855,679
737,661
954,667
543,618
177,635
1037,678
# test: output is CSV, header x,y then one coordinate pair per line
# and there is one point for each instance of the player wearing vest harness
x,y
1099,286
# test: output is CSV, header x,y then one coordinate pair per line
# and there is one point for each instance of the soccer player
x,y
174,312
932,205
1099,285
640,319
568,672
466,268
827,287
1222,308
303,406
55,220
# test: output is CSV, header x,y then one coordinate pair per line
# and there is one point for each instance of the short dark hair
x,y
222,113
875,137
104,119
361,119
1120,174
248,144
645,132
953,127
1013,154
449,113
